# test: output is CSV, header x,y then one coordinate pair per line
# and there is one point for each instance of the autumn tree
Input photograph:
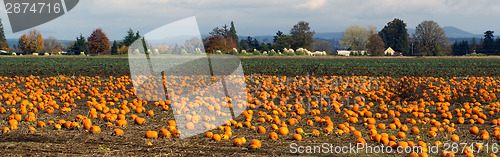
x,y
214,43
32,43
430,39
395,35
302,36
375,45
356,37
98,42
3,40
227,41
52,45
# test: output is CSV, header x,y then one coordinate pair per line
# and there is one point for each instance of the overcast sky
x,y
264,17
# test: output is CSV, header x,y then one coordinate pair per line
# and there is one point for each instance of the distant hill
x,y
453,32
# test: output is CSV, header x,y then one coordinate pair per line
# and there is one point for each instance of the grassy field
x,y
282,66
334,100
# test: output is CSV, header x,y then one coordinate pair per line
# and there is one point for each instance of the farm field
x,y
73,106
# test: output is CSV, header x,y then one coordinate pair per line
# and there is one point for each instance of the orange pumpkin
x,y
273,136
118,132
152,134
297,137
283,130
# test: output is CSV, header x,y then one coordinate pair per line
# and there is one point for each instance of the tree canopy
x,y
98,42
395,35
375,45
356,37
3,40
430,39
302,36
33,43
130,38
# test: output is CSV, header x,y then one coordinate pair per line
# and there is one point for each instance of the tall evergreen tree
x,y
244,44
233,35
488,44
395,35
473,45
114,48
3,40
80,45
278,34
497,46
460,48
130,38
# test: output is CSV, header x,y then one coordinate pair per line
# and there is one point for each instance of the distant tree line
x,y
487,45
429,39
225,40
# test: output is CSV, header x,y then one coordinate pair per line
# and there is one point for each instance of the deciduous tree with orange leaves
x,y
98,42
32,43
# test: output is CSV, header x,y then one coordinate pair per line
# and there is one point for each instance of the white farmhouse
x,y
343,52
389,51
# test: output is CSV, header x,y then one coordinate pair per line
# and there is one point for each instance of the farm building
x,y
343,52
348,53
389,51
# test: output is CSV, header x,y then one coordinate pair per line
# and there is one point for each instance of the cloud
x,y
312,4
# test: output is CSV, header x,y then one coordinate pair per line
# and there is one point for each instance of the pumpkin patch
x,y
279,110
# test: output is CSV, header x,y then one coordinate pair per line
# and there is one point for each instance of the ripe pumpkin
x,y
273,136
57,127
485,136
216,137
139,120
256,143
297,137
118,132
415,130
96,129
164,133
5,130
261,129
152,134
431,134
361,141
455,138
40,124
357,133
283,130
237,142
402,135
474,130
